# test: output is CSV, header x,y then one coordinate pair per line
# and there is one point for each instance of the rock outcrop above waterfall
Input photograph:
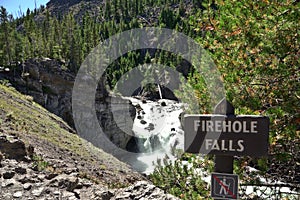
x,y
50,85
41,158
159,92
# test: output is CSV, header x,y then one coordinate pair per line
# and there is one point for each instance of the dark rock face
x,y
48,83
133,146
154,95
13,148
78,7
168,94
51,86
116,116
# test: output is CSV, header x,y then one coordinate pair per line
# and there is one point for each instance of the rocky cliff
x,y
51,86
41,158
78,7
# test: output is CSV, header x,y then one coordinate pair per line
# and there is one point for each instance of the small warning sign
x,y
224,186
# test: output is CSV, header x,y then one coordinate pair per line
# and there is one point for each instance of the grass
x,y
39,163
33,124
27,117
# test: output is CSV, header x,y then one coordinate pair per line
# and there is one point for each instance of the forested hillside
x,y
255,45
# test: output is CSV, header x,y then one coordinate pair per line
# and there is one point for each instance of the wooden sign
x,y
226,135
244,135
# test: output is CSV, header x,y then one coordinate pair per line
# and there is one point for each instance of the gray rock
x,y
37,192
124,195
27,186
41,177
17,194
38,184
71,170
8,183
87,184
56,193
68,195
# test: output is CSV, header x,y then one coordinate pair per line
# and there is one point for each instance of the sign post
x,y
224,163
226,135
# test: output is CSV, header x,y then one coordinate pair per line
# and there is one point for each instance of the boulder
x,y
13,148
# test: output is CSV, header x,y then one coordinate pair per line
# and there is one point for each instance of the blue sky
x,y
13,6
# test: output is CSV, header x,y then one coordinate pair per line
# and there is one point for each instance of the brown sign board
x,y
244,135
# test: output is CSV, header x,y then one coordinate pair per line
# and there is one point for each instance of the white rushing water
x,y
158,123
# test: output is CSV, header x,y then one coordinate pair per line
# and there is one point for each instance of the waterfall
x,y
159,90
158,128
45,99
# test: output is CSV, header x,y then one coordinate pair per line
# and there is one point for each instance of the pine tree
x,y
107,12
55,39
5,51
181,10
31,34
147,57
18,47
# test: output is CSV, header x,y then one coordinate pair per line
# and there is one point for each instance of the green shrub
x,y
183,177
39,163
